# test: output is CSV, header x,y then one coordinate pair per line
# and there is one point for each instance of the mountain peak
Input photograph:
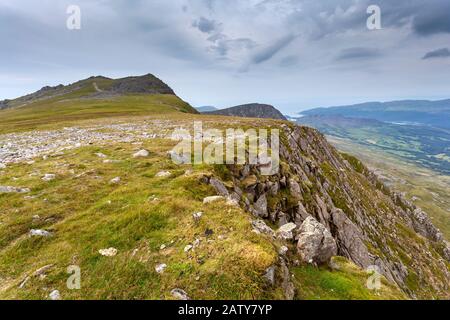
x,y
251,110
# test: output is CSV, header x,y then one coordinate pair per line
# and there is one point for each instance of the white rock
x,y
54,295
232,202
39,233
197,216
2,166
160,267
163,174
116,180
108,161
101,155
283,250
188,248
196,243
110,252
48,177
213,199
162,247
285,232
8,189
141,154
179,294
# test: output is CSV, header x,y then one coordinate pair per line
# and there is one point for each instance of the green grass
x,y
347,283
70,109
87,213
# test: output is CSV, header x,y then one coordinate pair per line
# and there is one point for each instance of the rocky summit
x,y
100,192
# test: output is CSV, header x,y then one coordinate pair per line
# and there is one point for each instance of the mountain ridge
x,y
251,110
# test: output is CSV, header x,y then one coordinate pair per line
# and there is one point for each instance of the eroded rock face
x,y
315,242
261,207
349,239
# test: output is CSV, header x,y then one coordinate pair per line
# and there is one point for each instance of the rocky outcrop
x,y
341,208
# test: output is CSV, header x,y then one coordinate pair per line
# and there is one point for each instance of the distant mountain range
x,y
434,113
251,110
423,144
206,109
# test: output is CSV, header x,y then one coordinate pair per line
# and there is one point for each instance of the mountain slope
x,y
206,109
147,216
434,113
95,97
252,110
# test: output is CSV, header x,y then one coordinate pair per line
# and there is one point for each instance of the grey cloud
x,y
206,25
358,53
271,50
439,53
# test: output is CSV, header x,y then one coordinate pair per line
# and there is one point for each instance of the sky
x,y
293,54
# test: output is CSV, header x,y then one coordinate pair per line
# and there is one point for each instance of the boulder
x,y
315,242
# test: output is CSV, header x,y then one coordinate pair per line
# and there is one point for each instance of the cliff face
x,y
371,225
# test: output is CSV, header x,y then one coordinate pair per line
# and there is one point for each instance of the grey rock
x,y
141,154
179,294
315,242
39,233
8,189
261,227
260,207
54,295
270,275
286,232
219,187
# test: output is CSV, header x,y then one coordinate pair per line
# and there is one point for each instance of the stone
x,y
162,247
100,155
116,180
283,250
54,295
178,158
232,202
197,216
219,187
49,177
179,294
286,232
110,252
350,239
160,267
212,199
315,243
163,174
141,154
8,189
261,207
295,189
2,166
39,233
270,275
109,161
261,227
188,248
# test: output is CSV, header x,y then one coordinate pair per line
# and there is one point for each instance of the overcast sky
x,y
294,54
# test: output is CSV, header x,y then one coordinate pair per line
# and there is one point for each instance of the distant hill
x,y
252,110
206,109
434,113
94,97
